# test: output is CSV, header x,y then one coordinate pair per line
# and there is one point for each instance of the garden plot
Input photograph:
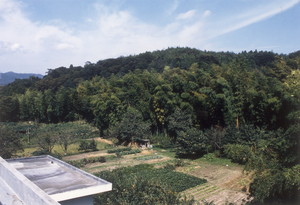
x,y
145,157
225,184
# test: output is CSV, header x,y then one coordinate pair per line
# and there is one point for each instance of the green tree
x,y
9,109
179,121
10,142
132,127
193,143
47,137
66,135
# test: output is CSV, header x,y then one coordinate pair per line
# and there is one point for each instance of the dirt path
x,y
225,184
99,139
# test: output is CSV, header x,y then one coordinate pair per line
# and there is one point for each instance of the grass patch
x,y
148,157
211,158
123,149
166,152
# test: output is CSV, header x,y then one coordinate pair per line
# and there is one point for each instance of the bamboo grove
x,y
246,106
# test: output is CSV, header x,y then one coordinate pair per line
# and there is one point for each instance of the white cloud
x,y
26,44
258,14
206,13
187,15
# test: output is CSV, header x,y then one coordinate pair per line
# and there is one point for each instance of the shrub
x,y
123,151
192,142
83,162
238,153
118,150
149,157
134,151
87,146
162,141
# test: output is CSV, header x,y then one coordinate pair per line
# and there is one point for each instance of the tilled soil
x,y
225,184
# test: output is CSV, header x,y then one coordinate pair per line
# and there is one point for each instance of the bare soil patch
x,y
127,160
225,184
99,139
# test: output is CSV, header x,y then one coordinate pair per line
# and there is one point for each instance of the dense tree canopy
x,y
245,106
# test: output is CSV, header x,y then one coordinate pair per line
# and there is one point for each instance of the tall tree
x,y
10,142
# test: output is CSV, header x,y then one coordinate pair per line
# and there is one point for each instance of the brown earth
x,y
99,139
225,184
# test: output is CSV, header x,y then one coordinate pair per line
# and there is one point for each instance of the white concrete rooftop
x,y
58,179
45,180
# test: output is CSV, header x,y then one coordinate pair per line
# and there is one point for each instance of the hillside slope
x,y
9,77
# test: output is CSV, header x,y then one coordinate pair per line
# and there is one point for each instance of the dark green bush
x,y
134,151
83,162
88,146
238,153
119,150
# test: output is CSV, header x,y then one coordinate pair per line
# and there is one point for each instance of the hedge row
x,y
83,162
118,150
148,157
133,151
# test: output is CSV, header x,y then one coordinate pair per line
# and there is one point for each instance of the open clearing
x,y
226,182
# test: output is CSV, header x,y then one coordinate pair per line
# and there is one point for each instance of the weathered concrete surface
x,y
16,189
58,179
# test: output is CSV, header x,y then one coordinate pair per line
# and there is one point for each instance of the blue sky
x,y
37,35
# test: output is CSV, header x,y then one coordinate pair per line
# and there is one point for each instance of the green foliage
x,y
174,164
132,151
88,146
193,142
46,138
82,162
271,185
131,127
143,183
238,153
119,150
247,134
179,95
292,179
10,142
9,109
148,157
162,141
179,121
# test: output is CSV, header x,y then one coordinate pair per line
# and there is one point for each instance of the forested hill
x,y
9,77
267,62
243,106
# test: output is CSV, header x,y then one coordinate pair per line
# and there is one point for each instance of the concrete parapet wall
x,y
26,191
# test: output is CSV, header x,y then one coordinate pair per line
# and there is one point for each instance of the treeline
x,y
215,88
244,106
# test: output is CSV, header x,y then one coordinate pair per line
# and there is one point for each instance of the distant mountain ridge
x,y
9,77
